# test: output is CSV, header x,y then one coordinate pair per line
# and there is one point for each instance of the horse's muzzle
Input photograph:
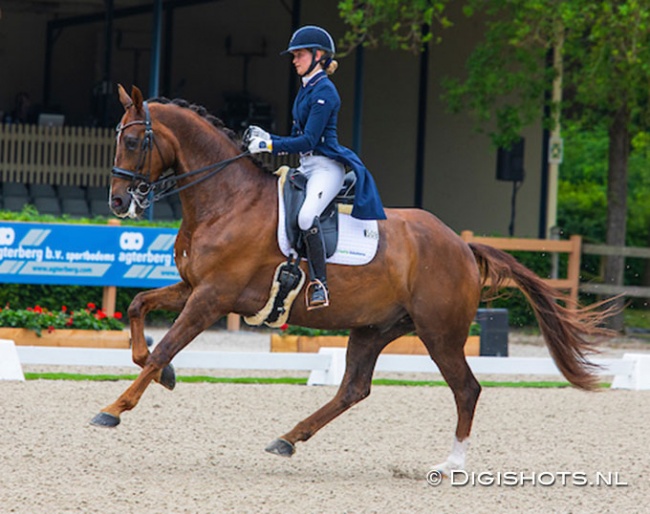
x,y
123,206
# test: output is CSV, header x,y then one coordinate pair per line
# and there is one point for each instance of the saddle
x,y
294,192
288,277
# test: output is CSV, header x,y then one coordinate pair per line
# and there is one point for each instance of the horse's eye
x,y
131,143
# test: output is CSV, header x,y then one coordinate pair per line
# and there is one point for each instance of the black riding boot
x,y
316,294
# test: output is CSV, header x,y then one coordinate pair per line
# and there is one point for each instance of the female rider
x,y
322,158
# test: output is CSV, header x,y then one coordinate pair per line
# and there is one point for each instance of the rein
x,y
141,187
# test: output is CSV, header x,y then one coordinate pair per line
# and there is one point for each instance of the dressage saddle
x,y
294,193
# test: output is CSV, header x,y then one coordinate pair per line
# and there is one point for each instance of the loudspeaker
x,y
510,162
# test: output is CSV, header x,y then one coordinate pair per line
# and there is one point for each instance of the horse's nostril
x,y
116,202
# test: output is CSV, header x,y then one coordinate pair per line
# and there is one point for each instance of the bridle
x,y
143,192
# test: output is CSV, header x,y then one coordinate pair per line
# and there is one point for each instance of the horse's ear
x,y
136,96
125,99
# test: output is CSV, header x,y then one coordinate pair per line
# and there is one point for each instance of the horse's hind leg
x,y
449,356
170,298
364,347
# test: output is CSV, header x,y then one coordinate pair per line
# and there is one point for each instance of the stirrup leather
x,y
309,289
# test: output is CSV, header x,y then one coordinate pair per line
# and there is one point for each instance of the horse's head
x,y
139,161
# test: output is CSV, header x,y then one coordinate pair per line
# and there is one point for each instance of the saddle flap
x,y
294,192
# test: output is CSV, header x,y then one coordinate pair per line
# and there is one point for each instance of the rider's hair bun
x,y
332,67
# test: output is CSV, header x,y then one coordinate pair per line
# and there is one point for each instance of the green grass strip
x,y
289,380
188,379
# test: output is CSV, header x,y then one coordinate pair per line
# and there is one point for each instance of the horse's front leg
x,y
170,298
201,311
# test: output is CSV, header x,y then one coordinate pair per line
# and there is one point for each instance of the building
x,y
224,54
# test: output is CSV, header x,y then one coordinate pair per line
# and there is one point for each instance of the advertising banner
x,y
90,255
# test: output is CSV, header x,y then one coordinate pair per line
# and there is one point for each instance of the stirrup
x,y
312,306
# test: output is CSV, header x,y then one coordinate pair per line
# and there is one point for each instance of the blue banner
x,y
88,255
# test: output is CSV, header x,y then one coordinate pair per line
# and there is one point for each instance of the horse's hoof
x,y
104,419
168,377
281,447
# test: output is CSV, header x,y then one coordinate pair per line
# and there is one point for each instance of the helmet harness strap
x,y
324,60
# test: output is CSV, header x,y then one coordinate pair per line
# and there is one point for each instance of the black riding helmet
x,y
314,38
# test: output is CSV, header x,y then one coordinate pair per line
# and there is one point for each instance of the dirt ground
x,y
200,449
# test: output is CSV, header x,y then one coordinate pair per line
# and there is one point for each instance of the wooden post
x,y
233,322
573,268
467,236
109,295
109,298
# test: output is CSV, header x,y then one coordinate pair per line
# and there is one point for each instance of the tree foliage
x,y
605,49
394,23
602,53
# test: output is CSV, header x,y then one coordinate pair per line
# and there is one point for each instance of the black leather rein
x,y
165,186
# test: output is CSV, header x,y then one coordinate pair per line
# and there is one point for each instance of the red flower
x,y
38,309
69,322
100,315
284,327
92,306
50,329
117,315
29,309
64,308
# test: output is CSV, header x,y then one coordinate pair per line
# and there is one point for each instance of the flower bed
x,y
89,327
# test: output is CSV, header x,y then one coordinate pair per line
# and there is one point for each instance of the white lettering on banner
x,y
87,256
131,241
7,236
69,270
145,258
21,253
53,255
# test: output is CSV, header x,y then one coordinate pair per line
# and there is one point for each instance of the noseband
x,y
141,188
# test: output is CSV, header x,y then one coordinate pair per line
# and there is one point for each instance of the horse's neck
x,y
235,188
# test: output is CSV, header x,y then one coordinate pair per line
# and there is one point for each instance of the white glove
x,y
255,131
260,144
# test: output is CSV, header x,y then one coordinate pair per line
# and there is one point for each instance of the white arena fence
x,y
326,367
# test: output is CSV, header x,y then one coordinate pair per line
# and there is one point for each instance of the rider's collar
x,y
312,78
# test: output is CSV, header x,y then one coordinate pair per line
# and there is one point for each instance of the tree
x,y
398,24
606,73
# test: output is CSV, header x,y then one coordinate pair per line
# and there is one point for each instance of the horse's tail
x,y
564,327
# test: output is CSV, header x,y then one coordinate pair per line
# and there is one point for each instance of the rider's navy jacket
x,y
315,113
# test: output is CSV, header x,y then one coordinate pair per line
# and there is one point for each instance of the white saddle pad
x,y
358,239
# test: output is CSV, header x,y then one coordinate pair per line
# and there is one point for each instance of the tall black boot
x,y
316,293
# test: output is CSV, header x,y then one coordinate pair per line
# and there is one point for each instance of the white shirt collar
x,y
306,78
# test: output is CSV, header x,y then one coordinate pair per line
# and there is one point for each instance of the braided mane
x,y
217,122
201,111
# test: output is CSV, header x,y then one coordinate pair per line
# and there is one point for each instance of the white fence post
x,y
10,368
639,378
334,374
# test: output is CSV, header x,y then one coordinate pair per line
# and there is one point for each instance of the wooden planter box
x,y
65,337
407,345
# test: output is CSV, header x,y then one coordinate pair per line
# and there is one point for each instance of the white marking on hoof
x,y
456,459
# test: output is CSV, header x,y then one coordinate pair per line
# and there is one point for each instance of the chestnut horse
x,y
424,278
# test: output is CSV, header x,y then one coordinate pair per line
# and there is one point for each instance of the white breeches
x,y
324,181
